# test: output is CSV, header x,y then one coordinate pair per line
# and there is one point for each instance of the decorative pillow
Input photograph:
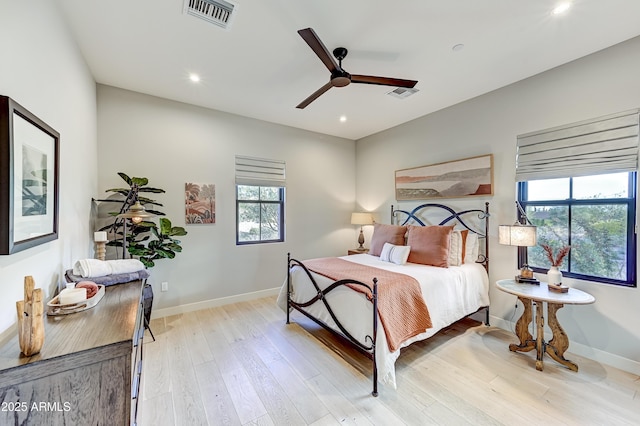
x,y
395,254
457,247
430,245
471,250
392,234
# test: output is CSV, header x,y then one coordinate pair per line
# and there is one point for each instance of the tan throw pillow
x,y
471,248
458,247
392,234
430,245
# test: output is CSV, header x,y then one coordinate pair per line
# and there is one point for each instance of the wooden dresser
x,y
88,371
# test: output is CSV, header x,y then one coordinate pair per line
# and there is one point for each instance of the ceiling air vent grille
x,y
218,12
402,92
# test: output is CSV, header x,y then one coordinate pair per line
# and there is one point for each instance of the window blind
x,y
603,145
259,171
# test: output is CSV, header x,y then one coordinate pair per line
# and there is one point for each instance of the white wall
x,y
43,71
600,84
171,143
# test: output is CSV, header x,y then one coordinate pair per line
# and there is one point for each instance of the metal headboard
x,y
454,216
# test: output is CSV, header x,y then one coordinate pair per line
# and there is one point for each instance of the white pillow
x,y
455,248
471,250
395,254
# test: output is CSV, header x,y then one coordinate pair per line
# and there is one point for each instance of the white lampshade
x,y
361,219
517,235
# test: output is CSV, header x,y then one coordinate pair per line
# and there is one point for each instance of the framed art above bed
x,y
453,179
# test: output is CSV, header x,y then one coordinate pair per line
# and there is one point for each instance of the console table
x,y
540,294
88,371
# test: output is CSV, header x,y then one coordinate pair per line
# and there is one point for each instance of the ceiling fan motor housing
x,y
340,78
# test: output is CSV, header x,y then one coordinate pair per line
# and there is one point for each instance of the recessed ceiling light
x,y
561,8
194,77
343,118
458,47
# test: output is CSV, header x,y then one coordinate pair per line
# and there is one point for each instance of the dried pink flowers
x,y
557,259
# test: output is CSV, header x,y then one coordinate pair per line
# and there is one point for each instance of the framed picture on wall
x,y
453,179
199,203
29,155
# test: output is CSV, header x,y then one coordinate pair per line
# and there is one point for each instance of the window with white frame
x,y
260,200
578,185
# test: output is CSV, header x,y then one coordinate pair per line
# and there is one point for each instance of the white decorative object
x,y
100,236
554,276
55,307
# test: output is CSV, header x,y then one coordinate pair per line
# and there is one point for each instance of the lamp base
x,y
361,241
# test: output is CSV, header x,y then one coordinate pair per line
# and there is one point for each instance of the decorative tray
x,y
55,308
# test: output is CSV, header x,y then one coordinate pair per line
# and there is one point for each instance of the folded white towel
x,y
125,266
89,268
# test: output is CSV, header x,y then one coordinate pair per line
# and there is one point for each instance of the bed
x,y
356,297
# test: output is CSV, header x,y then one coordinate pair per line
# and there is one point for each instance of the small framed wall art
x,y
453,179
200,203
29,155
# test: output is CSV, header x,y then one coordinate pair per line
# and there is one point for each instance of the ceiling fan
x,y
339,77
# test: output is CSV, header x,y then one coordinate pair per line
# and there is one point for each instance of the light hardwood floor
x,y
241,364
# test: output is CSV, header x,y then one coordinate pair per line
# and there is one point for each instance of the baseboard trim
x,y
594,354
212,303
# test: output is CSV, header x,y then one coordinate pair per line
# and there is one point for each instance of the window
x,y
260,188
595,215
260,214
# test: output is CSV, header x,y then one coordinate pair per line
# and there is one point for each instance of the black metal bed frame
x,y
369,349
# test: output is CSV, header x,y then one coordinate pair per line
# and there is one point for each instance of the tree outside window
x,y
260,214
595,215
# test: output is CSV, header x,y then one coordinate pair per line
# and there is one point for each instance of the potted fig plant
x,y
144,239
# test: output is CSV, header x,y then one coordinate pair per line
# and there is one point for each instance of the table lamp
x,y
520,235
361,218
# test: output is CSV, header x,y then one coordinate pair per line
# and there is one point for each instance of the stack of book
x,y
524,280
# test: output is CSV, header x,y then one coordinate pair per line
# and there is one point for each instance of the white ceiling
x,y
261,68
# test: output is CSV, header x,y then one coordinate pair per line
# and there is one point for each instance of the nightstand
x,y
356,251
539,295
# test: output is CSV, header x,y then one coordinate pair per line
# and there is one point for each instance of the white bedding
x,y
450,294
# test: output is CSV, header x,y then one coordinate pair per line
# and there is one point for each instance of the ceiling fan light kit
x,y
339,77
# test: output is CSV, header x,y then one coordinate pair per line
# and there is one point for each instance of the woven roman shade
x,y
259,171
603,145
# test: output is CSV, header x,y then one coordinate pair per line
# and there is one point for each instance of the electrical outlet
x,y
165,286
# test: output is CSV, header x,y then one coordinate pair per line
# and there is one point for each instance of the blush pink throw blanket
x,y
401,308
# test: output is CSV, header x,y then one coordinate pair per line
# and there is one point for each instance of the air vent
x,y
402,92
218,12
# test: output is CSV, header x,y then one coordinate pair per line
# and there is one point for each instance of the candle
x,y
100,236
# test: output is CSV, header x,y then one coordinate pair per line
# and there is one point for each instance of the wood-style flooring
x,y
241,364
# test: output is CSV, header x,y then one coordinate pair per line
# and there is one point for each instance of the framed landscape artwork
x,y
454,179
29,152
200,203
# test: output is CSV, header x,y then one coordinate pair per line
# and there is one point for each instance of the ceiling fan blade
x,y
384,81
319,48
315,95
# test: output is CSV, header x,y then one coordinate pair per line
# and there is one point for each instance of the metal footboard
x,y
369,348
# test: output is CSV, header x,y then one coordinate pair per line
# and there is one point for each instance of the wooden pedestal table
x,y
539,294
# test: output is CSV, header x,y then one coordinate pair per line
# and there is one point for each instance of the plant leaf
x,y
125,178
139,181
154,190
